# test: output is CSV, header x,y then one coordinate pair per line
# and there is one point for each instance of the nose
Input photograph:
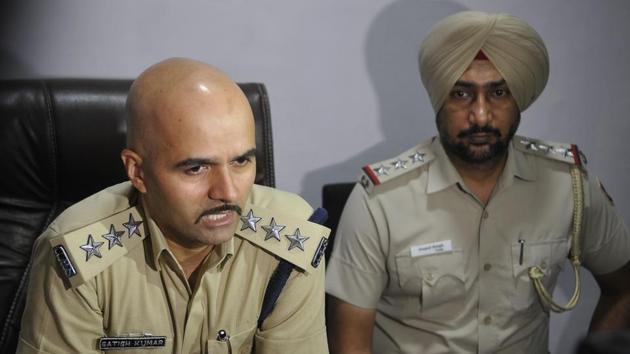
x,y
222,186
480,112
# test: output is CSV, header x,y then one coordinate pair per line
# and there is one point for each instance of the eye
x,y
500,92
195,170
459,93
242,161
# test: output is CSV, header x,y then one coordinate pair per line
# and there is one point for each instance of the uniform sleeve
x,y
356,271
56,319
297,324
606,242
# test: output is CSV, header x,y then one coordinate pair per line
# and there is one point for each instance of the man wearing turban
x,y
455,245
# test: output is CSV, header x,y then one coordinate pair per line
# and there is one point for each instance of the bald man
x,y
455,245
177,260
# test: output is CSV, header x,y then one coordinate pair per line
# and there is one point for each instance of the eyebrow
x,y
249,153
491,84
204,161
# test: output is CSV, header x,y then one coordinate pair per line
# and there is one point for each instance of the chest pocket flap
x,y
437,279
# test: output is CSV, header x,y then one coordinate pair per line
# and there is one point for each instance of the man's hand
x,y
613,308
350,329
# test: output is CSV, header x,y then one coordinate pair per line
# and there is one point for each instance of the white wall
x,y
342,76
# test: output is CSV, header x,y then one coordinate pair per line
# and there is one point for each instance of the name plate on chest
x,y
121,343
428,249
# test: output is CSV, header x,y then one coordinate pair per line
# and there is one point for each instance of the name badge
x,y
121,343
431,248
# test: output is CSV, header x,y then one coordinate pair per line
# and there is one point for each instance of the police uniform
x,y
448,274
103,278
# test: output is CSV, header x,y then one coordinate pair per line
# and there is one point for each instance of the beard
x,y
464,151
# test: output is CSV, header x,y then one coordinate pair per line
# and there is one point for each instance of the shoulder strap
x,y
568,153
280,276
301,243
376,174
86,252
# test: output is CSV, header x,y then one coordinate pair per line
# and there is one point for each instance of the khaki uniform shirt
x,y
444,272
144,293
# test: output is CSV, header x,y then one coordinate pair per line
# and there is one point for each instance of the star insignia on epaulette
x,y
113,237
564,152
249,221
297,240
530,145
132,226
417,157
382,170
91,248
273,230
399,163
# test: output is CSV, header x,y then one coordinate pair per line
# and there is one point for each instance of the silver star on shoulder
x,y
113,237
249,221
529,145
132,226
417,157
382,170
273,230
297,240
399,163
544,148
564,152
91,248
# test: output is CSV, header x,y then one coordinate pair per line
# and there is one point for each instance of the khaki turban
x,y
513,46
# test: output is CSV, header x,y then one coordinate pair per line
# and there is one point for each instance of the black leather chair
x,y
334,197
60,141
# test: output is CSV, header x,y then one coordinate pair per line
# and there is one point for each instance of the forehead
x,y
202,124
481,72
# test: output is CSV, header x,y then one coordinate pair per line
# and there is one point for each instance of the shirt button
x,y
485,214
487,320
487,267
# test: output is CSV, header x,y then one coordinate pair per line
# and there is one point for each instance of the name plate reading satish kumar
x,y
121,343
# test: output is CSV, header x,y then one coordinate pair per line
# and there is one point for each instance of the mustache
x,y
219,209
476,129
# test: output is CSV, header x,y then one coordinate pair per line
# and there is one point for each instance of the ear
x,y
133,166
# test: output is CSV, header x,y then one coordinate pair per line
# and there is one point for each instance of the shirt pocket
x,y
239,343
549,255
436,282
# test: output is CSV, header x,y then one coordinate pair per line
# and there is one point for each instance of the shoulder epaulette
x,y
568,153
86,252
299,242
374,175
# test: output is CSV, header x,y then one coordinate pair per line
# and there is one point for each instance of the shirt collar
x,y
442,174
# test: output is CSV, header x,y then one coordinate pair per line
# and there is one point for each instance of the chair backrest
x,y
334,197
60,141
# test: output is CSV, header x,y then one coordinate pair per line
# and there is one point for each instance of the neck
x,y
480,178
